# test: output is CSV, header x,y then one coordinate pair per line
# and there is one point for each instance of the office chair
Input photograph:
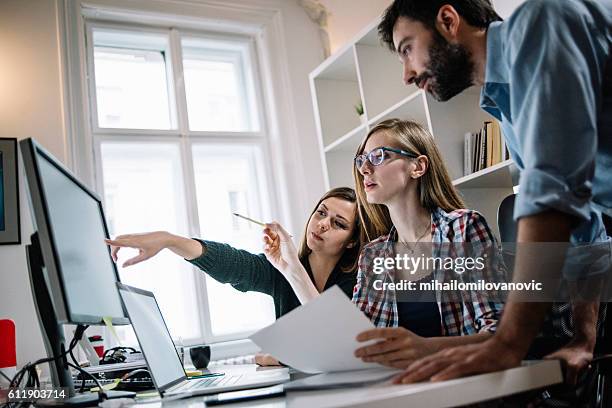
x,y
602,366
507,229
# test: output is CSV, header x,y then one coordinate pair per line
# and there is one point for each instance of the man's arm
x,y
521,321
578,353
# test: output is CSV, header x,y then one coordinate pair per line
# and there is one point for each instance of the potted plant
x,y
359,110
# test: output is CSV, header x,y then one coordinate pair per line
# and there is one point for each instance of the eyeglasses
x,y
377,156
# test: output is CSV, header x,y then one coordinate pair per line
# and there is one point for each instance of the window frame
x,y
182,135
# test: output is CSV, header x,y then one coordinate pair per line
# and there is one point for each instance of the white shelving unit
x,y
364,70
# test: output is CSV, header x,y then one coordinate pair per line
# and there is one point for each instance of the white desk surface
x,y
382,395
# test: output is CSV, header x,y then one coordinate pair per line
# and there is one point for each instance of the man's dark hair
x,y
478,13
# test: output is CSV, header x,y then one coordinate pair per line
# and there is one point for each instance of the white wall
x,y
505,7
349,17
30,105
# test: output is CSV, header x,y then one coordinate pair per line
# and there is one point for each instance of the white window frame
x,y
184,136
290,122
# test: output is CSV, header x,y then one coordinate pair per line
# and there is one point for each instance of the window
x,y
233,174
131,74
220,91
181,145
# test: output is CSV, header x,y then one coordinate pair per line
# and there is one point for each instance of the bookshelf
x,y
364,70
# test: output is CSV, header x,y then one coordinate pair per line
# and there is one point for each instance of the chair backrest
x,y
505,220
507,229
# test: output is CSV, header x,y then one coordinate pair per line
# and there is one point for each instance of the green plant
x,y
359,108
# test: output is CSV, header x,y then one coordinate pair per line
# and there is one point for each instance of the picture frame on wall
x,y
10,231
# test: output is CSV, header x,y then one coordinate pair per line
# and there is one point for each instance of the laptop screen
x,y
153,336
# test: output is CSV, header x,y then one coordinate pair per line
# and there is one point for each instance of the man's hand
x,y
575,357
490,355
397,347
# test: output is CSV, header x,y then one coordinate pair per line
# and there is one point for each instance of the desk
x,y
385,395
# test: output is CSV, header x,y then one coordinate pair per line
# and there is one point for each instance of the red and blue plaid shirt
x,y
469,315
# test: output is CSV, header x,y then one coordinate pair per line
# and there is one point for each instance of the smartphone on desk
x,y
245,395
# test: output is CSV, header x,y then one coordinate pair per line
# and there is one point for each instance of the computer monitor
x,y
71,227
72,274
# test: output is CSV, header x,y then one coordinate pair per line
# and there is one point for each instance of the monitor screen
x,y
73,244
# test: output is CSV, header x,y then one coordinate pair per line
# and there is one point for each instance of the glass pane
x,y
219,86
143,188
131,79
228,180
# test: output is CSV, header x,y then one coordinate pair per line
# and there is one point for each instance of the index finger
x,y
116,242
456,370
422,369
378,333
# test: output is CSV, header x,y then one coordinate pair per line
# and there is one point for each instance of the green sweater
x,y
248,272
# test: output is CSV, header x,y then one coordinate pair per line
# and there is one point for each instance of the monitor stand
x,y
53,333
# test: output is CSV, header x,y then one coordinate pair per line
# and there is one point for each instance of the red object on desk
x,y
8,351
98,344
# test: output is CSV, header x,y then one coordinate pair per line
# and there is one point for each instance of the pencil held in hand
x,y
249,219
253,221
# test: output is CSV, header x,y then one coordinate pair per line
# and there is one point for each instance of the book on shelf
x,y
468,147
484,148
489,144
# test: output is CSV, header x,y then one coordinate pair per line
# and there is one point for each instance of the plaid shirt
x,y
458,317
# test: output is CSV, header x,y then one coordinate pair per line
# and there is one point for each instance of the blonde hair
x,y
350,257
435,188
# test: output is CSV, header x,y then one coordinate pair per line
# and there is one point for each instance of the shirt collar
x,y
495,66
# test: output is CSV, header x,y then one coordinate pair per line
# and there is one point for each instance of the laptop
x,y
164,364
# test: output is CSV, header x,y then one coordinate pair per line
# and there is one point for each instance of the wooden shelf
x,y
498,175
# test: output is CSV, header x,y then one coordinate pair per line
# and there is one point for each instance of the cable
x,y
83,373
134,372
98,384
601,358
115,355
6,376
30,368
82,389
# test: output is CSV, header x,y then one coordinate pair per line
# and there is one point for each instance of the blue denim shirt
x,y
548,80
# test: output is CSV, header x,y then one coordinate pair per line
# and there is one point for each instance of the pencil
x,y
253,221
249,219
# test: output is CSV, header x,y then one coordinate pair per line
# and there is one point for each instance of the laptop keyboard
x,y
201,383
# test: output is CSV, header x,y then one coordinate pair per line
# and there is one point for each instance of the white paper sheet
x,y
341,379
318,336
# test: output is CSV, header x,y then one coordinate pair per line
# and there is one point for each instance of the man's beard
x,y
450,69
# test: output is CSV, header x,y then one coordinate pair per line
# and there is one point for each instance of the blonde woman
x,y
405,195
